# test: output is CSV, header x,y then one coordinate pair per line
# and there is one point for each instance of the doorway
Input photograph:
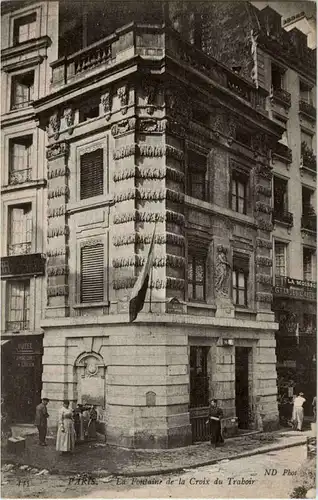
x,y
241,386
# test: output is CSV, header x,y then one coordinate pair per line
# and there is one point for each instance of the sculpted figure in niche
x,y
222,271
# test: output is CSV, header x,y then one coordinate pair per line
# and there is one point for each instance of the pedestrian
x,y
298,411
41,416
85,415
78,422
91,428
314,408
65,440
215,416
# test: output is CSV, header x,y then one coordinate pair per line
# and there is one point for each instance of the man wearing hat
x,y
298,411
41,416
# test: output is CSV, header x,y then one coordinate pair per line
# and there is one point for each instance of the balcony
x,y
282,96
152,42
308,158
284,217
282,152
307,109
20,176
16,326
309,222
19,248
285,286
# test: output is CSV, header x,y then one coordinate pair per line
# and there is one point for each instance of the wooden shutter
x,y
92,274
92,174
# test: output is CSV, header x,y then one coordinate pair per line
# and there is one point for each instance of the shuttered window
x,y
92,274
92,174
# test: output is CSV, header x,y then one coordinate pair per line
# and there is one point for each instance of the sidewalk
x,y
101,459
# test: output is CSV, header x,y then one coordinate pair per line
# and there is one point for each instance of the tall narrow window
x,y
305,92
277,77
197,185
20,167
22,90
240,279
199,382
280,259
18,305
308,255
92,273
92,174
196,277
24,28
239,192
20,229
280,196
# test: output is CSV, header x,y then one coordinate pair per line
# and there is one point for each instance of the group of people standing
x,y
74,426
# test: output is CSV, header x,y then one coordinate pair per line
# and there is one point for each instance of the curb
x,y
171,470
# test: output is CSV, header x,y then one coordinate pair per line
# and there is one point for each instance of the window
x,y
305,92
308,255
20,229
280,195
20,160
280,259
92,174
240,279
239,192
24,28
18,305
196,277
22,90
306,138
92,273
277,77
307,195
197,185
89,110
199,381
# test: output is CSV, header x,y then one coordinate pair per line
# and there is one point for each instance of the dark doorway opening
x,y
241,386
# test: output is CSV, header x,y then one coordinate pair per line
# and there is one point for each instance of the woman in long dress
x,y
215,417
65,441
92,423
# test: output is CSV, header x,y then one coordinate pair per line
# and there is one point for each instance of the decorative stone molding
x,y
261,242
145,239
119,262
176,128
56,252
106,102
263,207
123,95
264,261
122,218
124,239
175,239
218,124
178,103
175,217
266,191
151,194
231,130
174,196
173,152
169,216
120,284
53,232
57,270
264,225
264,297
58,172
150,89
174,175
151,173
56,212
56,150
57,192
123,152
124,174
175,283
139,260
123,127
57,291
266,279
264,172
69,119
151,125
175,261
55,124
222,271
150,150
125,195
91,242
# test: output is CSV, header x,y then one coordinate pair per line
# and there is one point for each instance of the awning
x,y
4,341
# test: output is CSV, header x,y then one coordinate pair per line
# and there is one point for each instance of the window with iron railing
x,y
20,229
18,305
20,169
196,277
22,88
280,258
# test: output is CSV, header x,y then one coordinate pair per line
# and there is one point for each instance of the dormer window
x,y
24,29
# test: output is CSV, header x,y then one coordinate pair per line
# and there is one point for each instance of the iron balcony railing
x,y
283,216
282,152
282,95
19,248
17,325
309,222
307,108
308,157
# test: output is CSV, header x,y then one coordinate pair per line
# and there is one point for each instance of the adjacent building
x,y
106,133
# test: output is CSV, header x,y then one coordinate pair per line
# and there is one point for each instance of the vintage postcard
x,y
158,250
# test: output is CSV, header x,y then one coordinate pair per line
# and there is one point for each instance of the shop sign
x,y
25,355
302,293
23,265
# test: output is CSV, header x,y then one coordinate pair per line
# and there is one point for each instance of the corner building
x,y
142,127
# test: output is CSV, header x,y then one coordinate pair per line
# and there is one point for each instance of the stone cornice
x,y
25,63
36,184
27,47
